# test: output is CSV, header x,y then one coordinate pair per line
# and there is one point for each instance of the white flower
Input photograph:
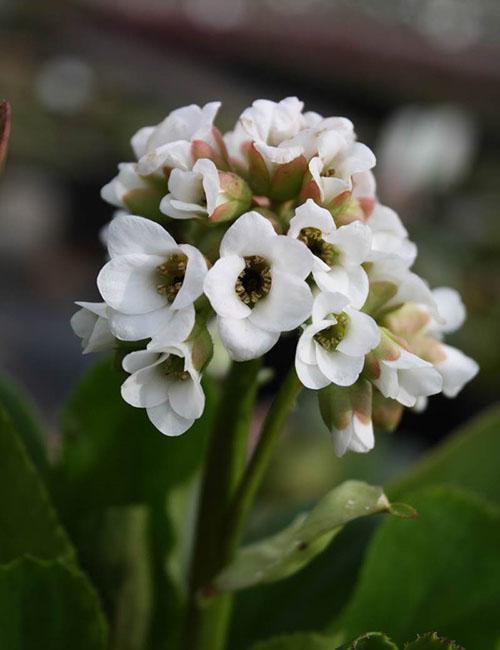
x,y
165,383
390,237
332,349
356,436
169,143
338,253
201,191
150,282
124,182
406,377
257,287
91,324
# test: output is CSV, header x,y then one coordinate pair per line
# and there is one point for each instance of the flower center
x,y
330,337
313,239
171,275
254,282
173,367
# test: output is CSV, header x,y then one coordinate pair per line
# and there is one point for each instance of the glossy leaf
x,y
47,606
439,572
288,551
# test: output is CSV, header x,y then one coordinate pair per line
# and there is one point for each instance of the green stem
x,y
206,627
252,477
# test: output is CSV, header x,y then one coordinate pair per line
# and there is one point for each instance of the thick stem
x,y
205,628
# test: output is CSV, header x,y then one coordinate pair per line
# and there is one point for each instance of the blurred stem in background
x,y
228,491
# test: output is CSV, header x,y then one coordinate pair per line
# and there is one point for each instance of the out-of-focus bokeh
x,y
420,79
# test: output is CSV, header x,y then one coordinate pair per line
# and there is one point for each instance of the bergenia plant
x,y
271,230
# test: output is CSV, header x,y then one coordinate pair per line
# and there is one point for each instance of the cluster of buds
x,y
273,227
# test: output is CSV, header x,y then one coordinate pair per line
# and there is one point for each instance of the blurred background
x,y
419,78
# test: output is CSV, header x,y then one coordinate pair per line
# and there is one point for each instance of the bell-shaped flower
x,y
91,324
347,412
205,192
150,282
338,253
333,347
164,381
257,287
169,144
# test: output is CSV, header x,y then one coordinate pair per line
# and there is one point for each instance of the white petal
x,y
362,334
83,322
187,398
387,381
354,240
450,307
358,437
139,359
211,183
311,376
186,186
336,280
456,370
101,339
292,256
287,305
135,327
418,382
328,303
128,234
278,155
331,187
129,283
359,286
97,308
179,209
306,346
140,139
220,287
146,387
340,369
244,340
251,234
192,285
311,215
174,154
167,421
176,330
359,159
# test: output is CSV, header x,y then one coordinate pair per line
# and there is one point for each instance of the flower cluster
x,y
271,228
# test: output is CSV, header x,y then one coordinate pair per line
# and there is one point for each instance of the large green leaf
x,y
48,606
25,419
439,572
29,525
468,458
112,455
297,642
286,552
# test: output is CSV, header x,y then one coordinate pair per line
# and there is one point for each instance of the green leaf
x,y
468,459
47,606
297,642
431,641
371,641
439,572
29,525
25,420
288,551
112,455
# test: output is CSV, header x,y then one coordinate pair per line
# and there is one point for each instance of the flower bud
x,y
235,195
287,180
386,412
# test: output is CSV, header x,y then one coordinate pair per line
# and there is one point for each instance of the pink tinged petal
x,y
140,139
250,234
187,398
186,186
192,285
220,287
139,359
354,240
287,305
129,283
450,308
167,421
177,329
311,215
179,210
135,327
418,382
147,387
310,375
244,340
341,369
456,370
128,234
292,256
328,303
362,334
